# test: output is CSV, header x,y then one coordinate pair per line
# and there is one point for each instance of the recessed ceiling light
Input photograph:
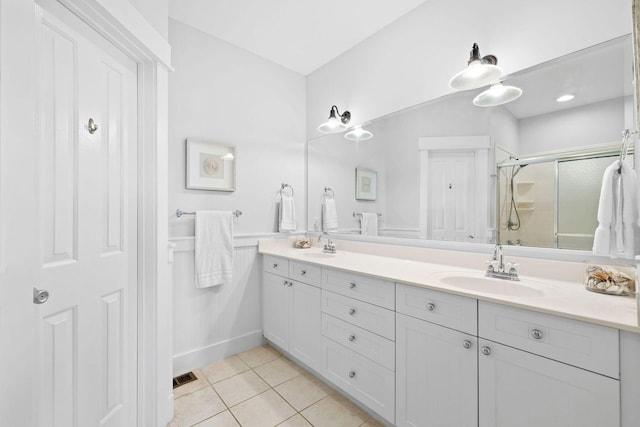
x,y
565,98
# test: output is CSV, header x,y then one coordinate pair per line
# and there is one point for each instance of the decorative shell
x,y
609,280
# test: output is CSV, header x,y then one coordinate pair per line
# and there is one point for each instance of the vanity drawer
x,y
368,344
275,265
364,315
375,291
585,345
307,273
453,311
364,380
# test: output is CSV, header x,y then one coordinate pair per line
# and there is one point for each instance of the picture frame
x,y
210,166
366,184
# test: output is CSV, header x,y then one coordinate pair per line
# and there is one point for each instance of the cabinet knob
x,y
352,338
290,284
485,350
352,285
352,374
352,311
537,334
285,283
466,344
275,265
431,306
303,272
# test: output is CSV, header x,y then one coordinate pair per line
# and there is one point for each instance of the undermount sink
x,y
480,283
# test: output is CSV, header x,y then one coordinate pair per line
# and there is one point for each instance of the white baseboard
x,y
200,357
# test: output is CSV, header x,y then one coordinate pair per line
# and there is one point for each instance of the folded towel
x,y
214,248
369,224
617,212
329,215
287,218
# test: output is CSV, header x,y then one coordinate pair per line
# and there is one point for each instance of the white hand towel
x,y
329,215
617,212
214,248
606,213
287,220
369,224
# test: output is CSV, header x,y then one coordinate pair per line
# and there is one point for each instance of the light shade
x,y
475,75
497,94
335,124
358,134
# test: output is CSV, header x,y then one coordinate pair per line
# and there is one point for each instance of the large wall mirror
x,y
525,173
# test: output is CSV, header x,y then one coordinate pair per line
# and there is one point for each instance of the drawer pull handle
x,y
303,272
486,350
352,285
537,334
431,306
352,311
275,265
466,344
352,338
352,374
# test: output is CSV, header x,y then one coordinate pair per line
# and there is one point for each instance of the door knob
x,y
40,296
92,126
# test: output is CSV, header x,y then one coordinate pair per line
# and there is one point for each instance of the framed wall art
x,y
210,166
366,185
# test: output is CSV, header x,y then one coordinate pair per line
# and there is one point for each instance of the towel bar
x,y
355,214
179,213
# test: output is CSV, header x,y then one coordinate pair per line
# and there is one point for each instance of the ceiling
x,y
301,35
594,74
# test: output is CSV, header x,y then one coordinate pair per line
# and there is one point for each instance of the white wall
x,y
412,60
592,124
156,12
224,94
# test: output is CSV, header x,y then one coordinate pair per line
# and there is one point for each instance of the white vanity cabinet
x,y
358,328
436,366
291,310
542,370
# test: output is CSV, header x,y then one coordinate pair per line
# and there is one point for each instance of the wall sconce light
x,y
481,71
333,124
358,134
497,94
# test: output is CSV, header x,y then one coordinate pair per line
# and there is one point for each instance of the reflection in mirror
x,y
436,162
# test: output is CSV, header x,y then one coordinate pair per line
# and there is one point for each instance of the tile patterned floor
x,y
262,388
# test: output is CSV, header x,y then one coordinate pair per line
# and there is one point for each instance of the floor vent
x,y
184,379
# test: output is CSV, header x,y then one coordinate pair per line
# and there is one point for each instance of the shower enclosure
x,y
551,201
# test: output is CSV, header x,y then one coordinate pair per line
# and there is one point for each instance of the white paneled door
x,y
87,207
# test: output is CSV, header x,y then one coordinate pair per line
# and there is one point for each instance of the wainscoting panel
x,y
212,323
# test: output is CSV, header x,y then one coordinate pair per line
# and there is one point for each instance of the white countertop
x,y
562,298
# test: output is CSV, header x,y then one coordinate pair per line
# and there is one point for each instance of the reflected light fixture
x,y
333,124
565,98
497,94
358,134
480,71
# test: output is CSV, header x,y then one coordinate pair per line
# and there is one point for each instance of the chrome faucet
x,y
328,247
497,267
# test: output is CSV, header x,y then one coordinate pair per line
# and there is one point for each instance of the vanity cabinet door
x,y
520,389
306,324
276,307
436,375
